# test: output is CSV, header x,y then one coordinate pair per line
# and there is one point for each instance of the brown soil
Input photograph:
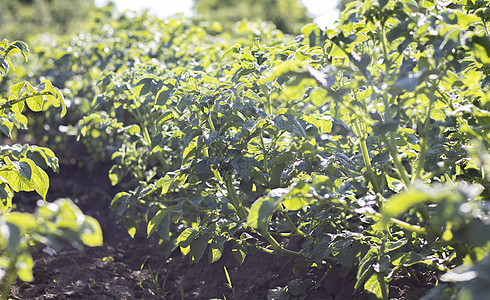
x,y
125,268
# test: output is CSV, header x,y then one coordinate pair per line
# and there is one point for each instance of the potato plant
x,y
21,169
369,142
82,66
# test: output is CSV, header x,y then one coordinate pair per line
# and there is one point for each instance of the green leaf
x,y
285,69
235,49
131,231
216,248
288,122
481,48
24,49
61,102
166,183
131,129
23,167
12,234
24,265
337,52
145,85
322,251
6,195
198,246
6,127
17,88
365,269
377,285
296,203
44,157
39,178
18,182
346,256
155,222
297,198
24,221
163,96
35,103
390,246
239,251
410,258
260,212
91,232
186,237
18,108
401,202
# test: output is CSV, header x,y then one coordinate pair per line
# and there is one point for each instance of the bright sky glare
x,y
324,12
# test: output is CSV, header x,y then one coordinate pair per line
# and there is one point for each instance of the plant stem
x,y
235,201
400,223
265,153
147,138
9,278
400,169
292,225
9,104
278,248
423,144
389,141
365,156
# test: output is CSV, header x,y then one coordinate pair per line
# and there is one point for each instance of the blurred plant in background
x,y
288,15
23,19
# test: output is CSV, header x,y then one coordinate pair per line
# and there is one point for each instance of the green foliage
x,y
21,166
41,16
342,4
287,15
51,222
368,142
21,169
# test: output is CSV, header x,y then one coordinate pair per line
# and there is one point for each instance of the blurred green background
x,y
24,19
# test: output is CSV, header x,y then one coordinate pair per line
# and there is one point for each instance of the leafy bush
x,y
82,66
21,169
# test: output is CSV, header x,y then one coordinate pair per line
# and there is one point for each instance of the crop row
x,y
369,142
